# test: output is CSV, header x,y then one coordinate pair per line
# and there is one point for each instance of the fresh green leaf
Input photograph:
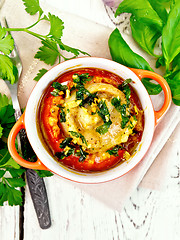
x,y
142,11
144,35
171,35
10,194
48,53
4,156
2,172
6,42
44,173
32,7
15,173
7,70
13,196
160,62
74,51
173,79
7,118
114,151
11,162
78,135
40,74
16,182
152,88
122,53
4,101
3,193
1,131
57,26
176,63
160,6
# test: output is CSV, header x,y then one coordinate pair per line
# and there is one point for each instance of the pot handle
x,y
12,149
165,87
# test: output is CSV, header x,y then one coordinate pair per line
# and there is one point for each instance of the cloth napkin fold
x,y
92,38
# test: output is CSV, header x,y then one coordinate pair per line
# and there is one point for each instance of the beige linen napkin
x,y
92,38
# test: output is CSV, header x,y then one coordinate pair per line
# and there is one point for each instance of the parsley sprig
x,y
52,47
11,174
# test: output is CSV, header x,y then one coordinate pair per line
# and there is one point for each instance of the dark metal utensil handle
x,y
36,185
39,197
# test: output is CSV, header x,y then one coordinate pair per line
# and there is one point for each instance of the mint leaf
x,y
7,70
48,53
40,74
6,42
57,26
32,7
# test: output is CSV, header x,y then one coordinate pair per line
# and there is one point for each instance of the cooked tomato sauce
x,y
53,133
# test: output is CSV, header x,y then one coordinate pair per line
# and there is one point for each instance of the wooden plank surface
x,y
148,214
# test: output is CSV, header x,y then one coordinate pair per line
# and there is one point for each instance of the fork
x,y
36,184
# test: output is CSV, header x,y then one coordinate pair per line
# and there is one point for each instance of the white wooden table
x,y
148,214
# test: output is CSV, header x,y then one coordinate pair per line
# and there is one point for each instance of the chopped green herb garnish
x,y
125,82
62,114
122,109
114,151
105,115
124,87
57,88
81,79
89,100
78,135
65,142
83,155
81,93
103,128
